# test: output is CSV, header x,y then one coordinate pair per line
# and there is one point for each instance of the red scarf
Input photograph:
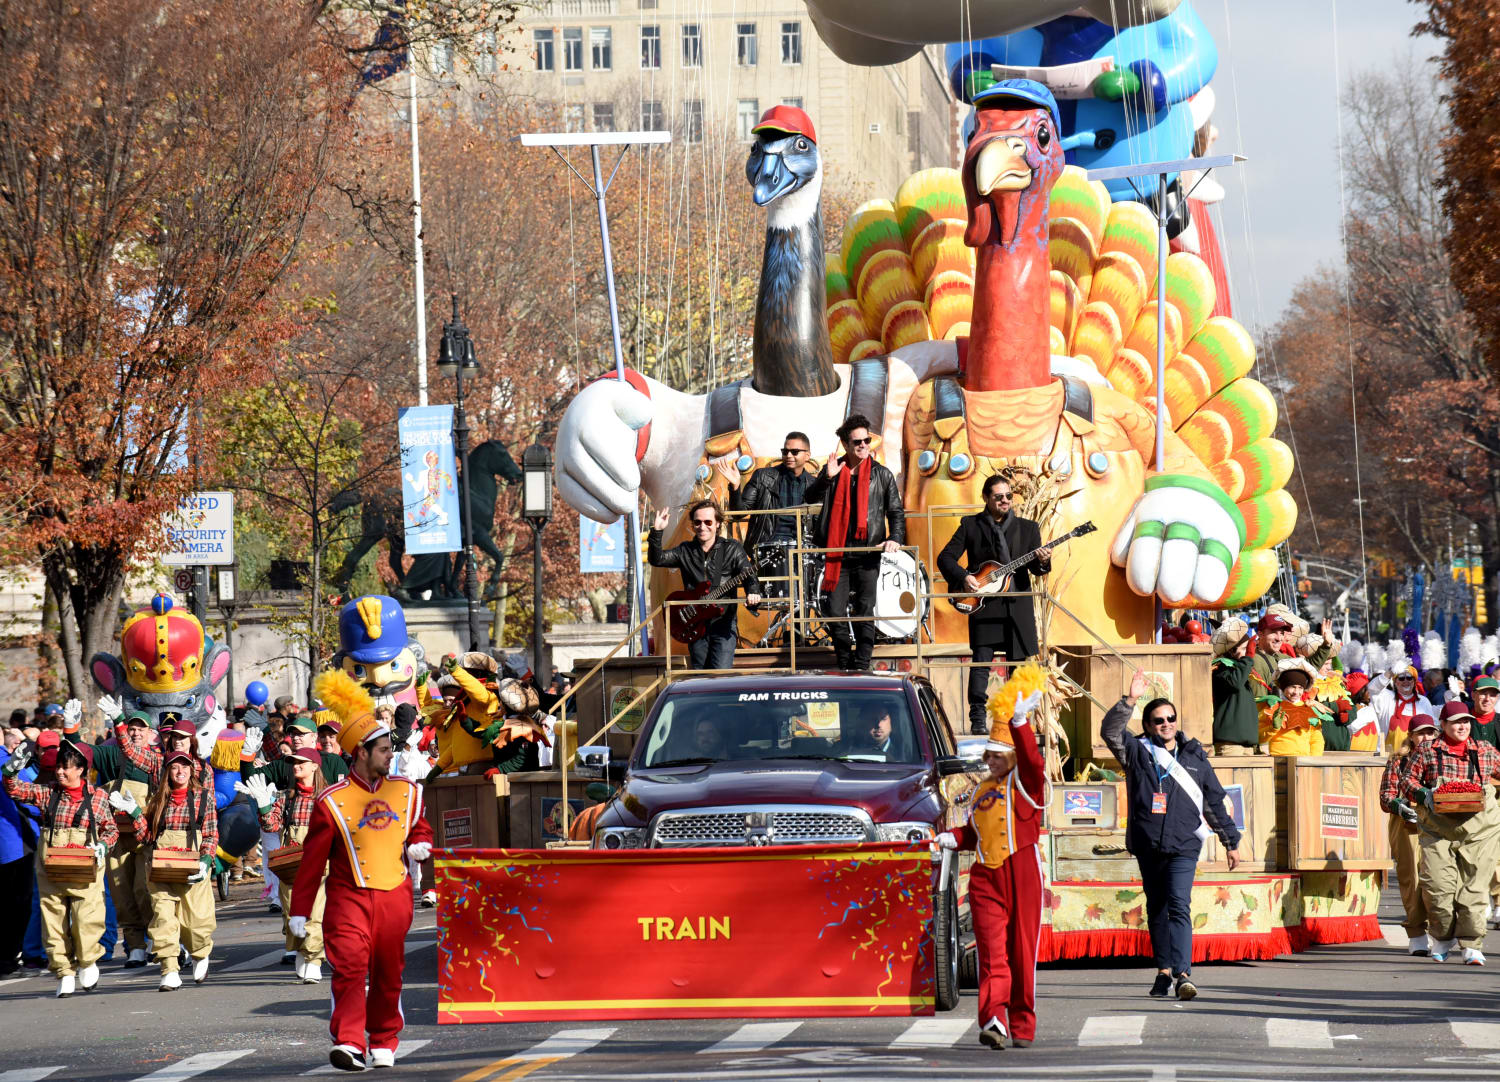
x,y
838,519
178,796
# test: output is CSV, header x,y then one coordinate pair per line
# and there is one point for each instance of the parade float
x,y
1015,315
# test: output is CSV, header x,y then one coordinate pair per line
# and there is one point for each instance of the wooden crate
x,y
69,865
533,806
285,861
173,865
1179,673
467,810
1333,816
1263,837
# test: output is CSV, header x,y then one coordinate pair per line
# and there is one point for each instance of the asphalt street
x,y
1335,1014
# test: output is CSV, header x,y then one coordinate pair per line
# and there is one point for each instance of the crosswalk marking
x,y
193,1066
14,980
28,1074
1473,1034
1100,1031
752,1037
1395,935
933,1033
1298,1033
260,961
403,1048
559,1046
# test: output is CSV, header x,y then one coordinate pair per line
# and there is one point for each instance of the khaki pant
x,y
1406,850
72,916
1495,886
126,869
180,912
1455,878
311,944
1232,749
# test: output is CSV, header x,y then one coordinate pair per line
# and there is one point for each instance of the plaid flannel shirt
x,y
1429,767
149,759
181,817
293,808
67,813
1390,781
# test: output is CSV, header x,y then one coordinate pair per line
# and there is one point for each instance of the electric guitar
x,y
995,577
688,623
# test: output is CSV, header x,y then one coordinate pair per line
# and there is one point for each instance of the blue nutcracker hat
x,y
372,629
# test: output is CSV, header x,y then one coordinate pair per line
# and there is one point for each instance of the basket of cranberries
x,y
1458,798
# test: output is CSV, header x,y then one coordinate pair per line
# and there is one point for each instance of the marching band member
x,y
181,815
361,832
1005,886
287,815
74,815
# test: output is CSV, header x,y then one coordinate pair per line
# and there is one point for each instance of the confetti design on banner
x,y
863,898
492,917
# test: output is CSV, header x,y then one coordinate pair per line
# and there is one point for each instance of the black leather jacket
x,y
761,493
887,518
724,561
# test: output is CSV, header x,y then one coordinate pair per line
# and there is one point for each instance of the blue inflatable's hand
x,y
1151,91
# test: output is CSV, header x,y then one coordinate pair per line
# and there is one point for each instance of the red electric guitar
x,y
995,577
688,623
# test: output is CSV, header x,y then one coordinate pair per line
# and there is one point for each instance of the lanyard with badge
x,y
1159,797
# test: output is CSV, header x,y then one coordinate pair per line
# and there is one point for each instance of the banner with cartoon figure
x,y
429,480
807,930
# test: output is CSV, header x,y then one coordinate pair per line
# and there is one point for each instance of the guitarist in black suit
x,y
1004,625
712,559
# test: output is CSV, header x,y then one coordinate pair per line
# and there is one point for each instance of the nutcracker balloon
x,y
375,650
167,665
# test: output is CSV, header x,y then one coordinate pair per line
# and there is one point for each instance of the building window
x,y
692,121
604,116
546,60
648,5
744,44
653,118
442,58
484,59
795,103
600,48
746,113
651,47
572,48
572,118
791,43
692,46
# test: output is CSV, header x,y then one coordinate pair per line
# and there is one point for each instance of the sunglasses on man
x,y
860,443
704,523
793,451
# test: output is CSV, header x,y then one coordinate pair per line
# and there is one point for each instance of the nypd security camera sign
x,y
201,530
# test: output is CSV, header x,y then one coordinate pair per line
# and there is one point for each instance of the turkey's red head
x,y
1012,161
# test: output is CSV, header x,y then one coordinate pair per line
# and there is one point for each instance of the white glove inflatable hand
x,y
1182,537
419,851
297,926
596,468
946,840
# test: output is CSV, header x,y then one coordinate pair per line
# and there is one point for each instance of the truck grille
x,y
761,826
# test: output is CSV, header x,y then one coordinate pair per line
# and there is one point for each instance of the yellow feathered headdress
x,y
1024,681
338,692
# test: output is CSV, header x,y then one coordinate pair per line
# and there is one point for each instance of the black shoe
x,y
288,957
345,1059
1186,989
993,1036
1162,986
978,728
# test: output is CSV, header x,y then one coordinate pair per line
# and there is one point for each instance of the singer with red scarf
x,y
862,509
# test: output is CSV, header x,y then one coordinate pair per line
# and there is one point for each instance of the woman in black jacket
x,y
1174,800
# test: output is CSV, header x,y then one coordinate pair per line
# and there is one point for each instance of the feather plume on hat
x,y
1376,658
1353,655
338,692
1434,652
1470,649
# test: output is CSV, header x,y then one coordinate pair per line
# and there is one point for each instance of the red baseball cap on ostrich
x,y
787,118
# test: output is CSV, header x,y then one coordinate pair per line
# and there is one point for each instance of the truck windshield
x,y
858,726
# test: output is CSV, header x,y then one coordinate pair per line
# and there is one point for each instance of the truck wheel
x,y
948,950
968,968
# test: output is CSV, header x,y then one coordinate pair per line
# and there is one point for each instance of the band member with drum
x,y
782,485
861,509
1004,625
712,559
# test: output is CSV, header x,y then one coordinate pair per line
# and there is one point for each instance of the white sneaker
x,y
88,976
382,1057
170,982
347,1058
312,973
429,899
1418,944
299,966
200,970
65,986
1473,957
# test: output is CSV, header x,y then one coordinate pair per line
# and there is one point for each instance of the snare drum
x,y
900,596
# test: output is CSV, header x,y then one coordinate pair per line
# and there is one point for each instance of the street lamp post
x,y
536,509
227,604
456,357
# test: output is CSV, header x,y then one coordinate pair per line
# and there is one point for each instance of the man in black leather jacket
x,y
846,484
782,485
712,559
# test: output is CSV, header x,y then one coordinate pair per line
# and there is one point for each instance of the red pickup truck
x,y
771,759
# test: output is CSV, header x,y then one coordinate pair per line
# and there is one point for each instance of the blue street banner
x,y
601,548
429,480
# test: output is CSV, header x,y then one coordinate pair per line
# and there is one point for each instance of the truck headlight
x,y
620,838
904,832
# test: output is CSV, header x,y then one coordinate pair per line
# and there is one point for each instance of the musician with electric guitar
x,y
712,568
1001,551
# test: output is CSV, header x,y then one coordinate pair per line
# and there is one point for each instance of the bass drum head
x,y
900,596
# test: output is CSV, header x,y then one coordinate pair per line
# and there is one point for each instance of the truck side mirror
x,y
948,766
592,761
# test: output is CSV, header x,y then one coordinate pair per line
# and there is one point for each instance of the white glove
x,y
1182,537
72,714
1025,706
253,740
946,840
596,471
259,790
110,707
124,802
1455,687
202,873
419,851
1407,812
297,926
100,849
413,739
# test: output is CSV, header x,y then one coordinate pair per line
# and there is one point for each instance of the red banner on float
x,y
528,935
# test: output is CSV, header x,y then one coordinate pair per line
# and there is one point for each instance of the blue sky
x,y
1277,104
